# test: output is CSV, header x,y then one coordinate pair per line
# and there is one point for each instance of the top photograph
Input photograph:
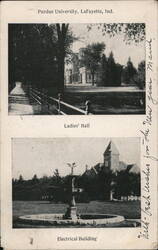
x,y
76,68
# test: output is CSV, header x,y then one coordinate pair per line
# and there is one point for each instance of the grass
x,y
121,102
129,209
118,100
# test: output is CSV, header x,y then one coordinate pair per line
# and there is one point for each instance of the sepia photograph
x,y
76,182
76,69
79,125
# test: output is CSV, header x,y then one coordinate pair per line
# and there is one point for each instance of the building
x,y
112,164
111,161
76,73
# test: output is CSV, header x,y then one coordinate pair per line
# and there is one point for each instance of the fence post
x,y
30,92
47,99
59,99
88,106
44,101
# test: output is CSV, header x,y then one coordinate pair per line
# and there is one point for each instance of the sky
x,y
116,44
42,156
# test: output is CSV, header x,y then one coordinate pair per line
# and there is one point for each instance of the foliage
x,y
20,180
139,78
91,57
32,53
110,71
132,32
104,70
129,73
37,54
94,187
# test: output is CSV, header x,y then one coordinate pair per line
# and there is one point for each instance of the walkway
x,y
19,103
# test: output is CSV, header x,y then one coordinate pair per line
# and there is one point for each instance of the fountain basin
x,y
84,219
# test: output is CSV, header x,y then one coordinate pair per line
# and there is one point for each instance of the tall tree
x,y
64,39
104,71
62,30
111,70
31,53
129,72
37,53
119,69
91,57
139,78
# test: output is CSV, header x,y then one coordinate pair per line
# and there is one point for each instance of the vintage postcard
x,y
79,111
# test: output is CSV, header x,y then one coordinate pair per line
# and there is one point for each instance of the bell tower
x,y
111,157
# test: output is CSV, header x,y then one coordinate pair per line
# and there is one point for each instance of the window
x,y
106,163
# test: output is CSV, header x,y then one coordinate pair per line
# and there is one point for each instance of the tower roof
x,y
111,148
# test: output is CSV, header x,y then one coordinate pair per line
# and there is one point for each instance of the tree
x,y
134,180
37,53
139,78
104,71
35,179
105,177
111,70
21,179
119,69
131,32
62,30
32,53
91,57
122,187
56,179
129,72
64,39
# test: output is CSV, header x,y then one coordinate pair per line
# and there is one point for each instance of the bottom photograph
x,y
76,182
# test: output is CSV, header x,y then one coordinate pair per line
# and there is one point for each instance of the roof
x,y
122,166
98,167
91,172
111,148
131,168
134,169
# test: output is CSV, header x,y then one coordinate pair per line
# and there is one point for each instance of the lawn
x,y
104,101
109,102
129,209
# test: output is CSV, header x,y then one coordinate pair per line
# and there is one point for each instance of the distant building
x,y
111,162
76,73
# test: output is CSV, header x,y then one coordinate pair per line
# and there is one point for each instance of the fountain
x,y
71,217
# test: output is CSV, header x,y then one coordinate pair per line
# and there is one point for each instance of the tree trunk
x,y
61,53
61,69
92,78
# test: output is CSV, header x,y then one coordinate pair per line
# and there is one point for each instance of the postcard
x,y
79,111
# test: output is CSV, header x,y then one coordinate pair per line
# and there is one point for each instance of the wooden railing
x,y
61,107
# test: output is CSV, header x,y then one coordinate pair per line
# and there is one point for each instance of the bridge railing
x,y
60,107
